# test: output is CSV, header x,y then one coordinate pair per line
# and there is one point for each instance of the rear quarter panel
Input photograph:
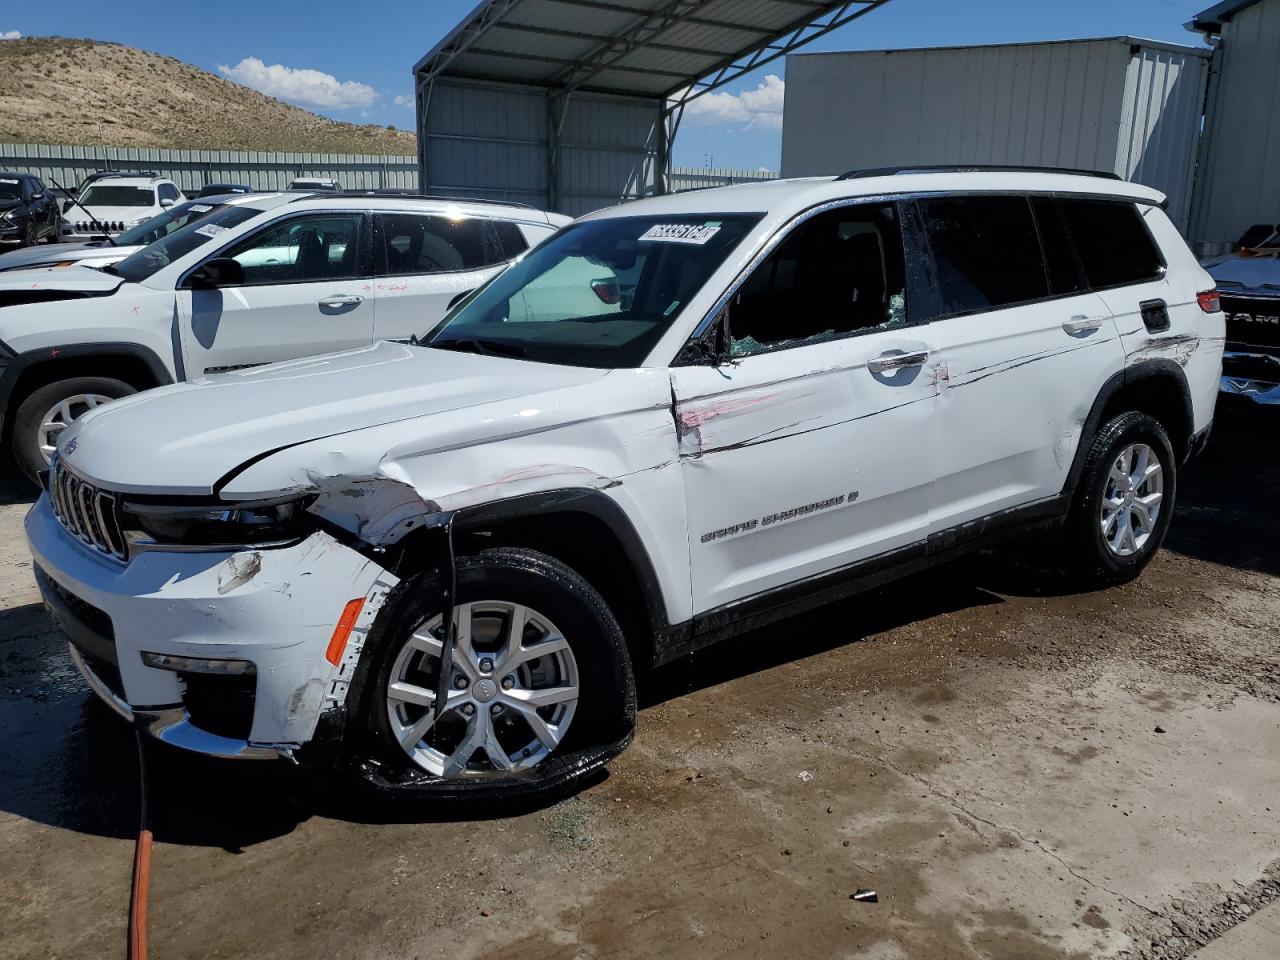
x,y
1195,339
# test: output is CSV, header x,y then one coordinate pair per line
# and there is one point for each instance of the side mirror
x,y
167,203
67,205
218,272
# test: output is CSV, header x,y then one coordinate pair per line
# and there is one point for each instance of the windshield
x,y
10,189
197,232
110,196
598,294
165,224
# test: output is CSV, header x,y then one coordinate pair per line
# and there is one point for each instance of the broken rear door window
x,y
839,274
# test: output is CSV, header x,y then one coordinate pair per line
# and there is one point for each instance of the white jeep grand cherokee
x,y
442,561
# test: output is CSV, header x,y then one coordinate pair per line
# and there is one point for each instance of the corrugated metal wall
x,y
1160,124
495,140
1065,104
192,169
1239,179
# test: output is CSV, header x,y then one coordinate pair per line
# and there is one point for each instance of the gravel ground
x,y
1016,771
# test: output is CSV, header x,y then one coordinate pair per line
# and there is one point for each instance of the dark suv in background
x,y
28,211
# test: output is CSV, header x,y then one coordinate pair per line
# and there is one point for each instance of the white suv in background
x,y
260,279
444,560
112,205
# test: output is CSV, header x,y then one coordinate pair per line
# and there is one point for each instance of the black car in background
x,y
28,211
215,189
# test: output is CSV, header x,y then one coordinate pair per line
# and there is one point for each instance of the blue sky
x,y
353,61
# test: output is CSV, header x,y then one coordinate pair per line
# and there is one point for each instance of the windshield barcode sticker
x,y
200,208
696,233
210,230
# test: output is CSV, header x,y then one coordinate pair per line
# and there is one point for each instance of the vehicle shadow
x,y
14,487
1228,508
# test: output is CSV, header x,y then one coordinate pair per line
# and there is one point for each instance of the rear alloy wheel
x,y
1124,501
538,686
1130,506
49,410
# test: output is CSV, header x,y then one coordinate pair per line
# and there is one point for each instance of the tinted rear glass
x,y
986,252
1112,241
512,240
1059,256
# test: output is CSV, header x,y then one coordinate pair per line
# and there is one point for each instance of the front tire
x,y
540,684
1124,503
50,409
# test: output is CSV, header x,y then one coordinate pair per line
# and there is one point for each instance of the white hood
x,y
184,438
40,281
42,255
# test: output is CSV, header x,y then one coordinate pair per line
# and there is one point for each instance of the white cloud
x,y
300,85
11,35
761,107
402,100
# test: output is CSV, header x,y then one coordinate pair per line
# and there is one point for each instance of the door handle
x,y
1082,324
342,301
898,361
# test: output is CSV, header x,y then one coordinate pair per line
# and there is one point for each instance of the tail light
x,y
1209,301
607,290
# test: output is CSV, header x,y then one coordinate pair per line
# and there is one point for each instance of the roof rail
x,y
395,194
972,168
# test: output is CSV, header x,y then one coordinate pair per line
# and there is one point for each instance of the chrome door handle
x,y
1082,324
897,362
341,301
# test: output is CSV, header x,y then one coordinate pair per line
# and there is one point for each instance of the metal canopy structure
x,y
610,77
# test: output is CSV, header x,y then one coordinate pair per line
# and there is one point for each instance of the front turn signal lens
x,y
346,623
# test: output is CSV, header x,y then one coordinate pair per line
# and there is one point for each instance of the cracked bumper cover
x,y
202,605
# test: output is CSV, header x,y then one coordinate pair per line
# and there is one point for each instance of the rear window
x,y
1113,242
986,252
418,244
512,240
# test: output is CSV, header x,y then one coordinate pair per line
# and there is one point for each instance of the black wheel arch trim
x,y
14,365
1138,372
598,505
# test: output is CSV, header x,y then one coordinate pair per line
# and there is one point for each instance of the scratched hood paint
x,y
76,278
190,435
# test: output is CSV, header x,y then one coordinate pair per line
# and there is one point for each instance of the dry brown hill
x,y
54,90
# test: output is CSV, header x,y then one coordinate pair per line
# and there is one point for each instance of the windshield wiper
x,y
484,347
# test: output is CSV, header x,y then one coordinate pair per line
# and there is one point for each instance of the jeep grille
x,y
88,513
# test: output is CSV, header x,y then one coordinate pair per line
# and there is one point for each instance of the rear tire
x,y
39,418
29,235
1124,503
490,700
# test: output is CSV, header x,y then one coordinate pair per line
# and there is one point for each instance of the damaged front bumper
x,y
221,653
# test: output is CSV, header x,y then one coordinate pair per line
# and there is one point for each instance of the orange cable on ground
x,y
137,946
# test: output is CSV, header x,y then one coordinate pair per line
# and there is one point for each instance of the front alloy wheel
x,y
512,691
58,417
538,687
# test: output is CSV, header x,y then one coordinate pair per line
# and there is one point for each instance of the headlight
x,y
211,526
137,223
7,215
